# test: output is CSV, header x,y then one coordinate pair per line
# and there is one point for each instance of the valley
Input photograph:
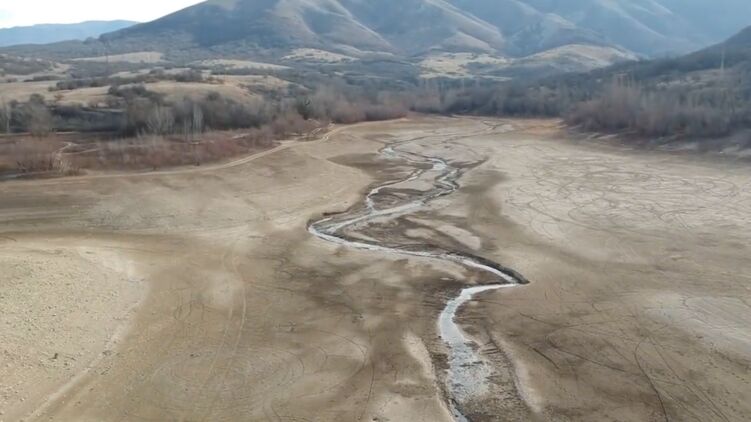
x,y
306,282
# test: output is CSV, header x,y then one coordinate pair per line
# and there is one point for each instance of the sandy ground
x,y
199,295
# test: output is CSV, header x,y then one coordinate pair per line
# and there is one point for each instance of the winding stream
x,y
467,370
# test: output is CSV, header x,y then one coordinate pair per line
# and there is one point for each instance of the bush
x,y
37,118
633,109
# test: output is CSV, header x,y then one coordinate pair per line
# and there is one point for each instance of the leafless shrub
x,y
631,108
160,133
29,156
6,114
161,120
37,117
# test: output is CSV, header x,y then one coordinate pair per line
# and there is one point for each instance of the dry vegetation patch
x,y
240,64
82,96
21,91
138,57
153,152
579,57
174,91
24,156
458,64
315,55
255,82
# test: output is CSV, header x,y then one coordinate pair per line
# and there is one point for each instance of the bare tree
x,y
196,128
6,113
187,131
193,123
38,119
197,120
161,121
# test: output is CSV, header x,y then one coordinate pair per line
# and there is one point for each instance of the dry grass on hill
x,y
139,57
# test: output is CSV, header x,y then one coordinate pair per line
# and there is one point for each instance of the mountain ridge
x,y
535,37
408,27
51,32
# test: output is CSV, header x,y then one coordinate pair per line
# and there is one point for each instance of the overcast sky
x,y
30,12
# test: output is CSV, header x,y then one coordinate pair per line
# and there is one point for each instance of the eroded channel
x,y
468,371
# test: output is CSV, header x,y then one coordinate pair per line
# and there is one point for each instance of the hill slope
x,y
648,27
700,100
509,27
720,63
394,26
454,38
50,33
706,94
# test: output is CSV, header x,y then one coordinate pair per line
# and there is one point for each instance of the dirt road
x,y
201,296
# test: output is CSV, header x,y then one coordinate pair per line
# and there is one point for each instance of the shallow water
x,y
467,371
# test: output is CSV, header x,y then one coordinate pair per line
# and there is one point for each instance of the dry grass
x,y
583,57
157,152
175,91
240,64
235,88
139,57
457,64
23,156
83,96
314,55
21,91
69,154
29,156
255,83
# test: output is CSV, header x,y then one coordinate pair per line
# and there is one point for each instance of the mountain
x,y
456,38
740,41
696,102
50,33
727,61
408,27
401,27
646,27
699,96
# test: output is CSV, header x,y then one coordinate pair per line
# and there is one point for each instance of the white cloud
x,y
30,12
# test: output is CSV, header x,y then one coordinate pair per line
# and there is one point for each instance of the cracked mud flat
x,y
202,295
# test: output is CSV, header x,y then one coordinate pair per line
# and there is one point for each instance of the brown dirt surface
x,y
198,293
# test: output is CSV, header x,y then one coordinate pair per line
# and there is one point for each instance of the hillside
x,y
700,100
50,33
647,27
720,63
496,39
348,26
741,40
406,27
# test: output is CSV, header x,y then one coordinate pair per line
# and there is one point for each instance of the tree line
x,y
133,110
637,100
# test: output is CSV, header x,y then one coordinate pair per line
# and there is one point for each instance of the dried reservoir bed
x,y
201,295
